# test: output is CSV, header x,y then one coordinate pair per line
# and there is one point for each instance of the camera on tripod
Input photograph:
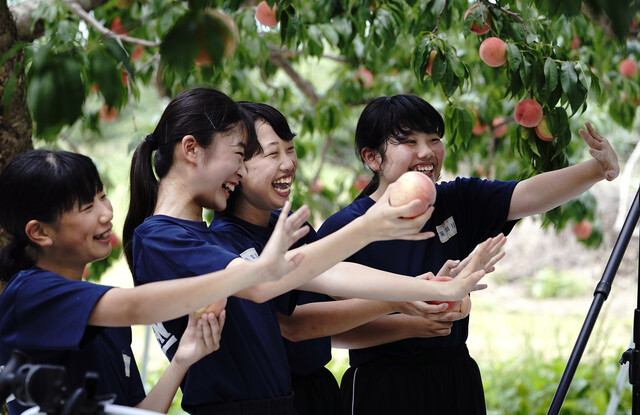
x,y
44,385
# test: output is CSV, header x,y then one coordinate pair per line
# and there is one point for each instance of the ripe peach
x,y
137,53
474,26
214,308
432,56
542,131
528,113
493,51
365,77
266,15
479,129
410,186
107,113
453,305
316,187
499,127
361,182
575,42
628,67
116,27
582,230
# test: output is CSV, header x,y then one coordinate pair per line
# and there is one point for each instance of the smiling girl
x,y
198,148
59,219
404,133
245,226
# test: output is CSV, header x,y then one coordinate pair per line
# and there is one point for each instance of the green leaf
x,y
514,58
550,77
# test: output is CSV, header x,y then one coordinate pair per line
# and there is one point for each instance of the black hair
x,y
393,119
40,185
200,112
271,116
258,111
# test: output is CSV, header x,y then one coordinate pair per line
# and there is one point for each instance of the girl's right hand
x,y
486,255
387,222
287,231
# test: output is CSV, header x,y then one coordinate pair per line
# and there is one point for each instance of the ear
x,y
39,233
189,148
372,158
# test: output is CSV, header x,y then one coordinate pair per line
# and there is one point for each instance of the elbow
x,y
257,294
292,334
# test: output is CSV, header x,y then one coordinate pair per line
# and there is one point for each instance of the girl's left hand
x,y
601,150
201,337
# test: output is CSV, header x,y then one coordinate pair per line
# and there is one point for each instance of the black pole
x,y
600,295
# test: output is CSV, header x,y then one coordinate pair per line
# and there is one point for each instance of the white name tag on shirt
x,y
446,230
127,365
250,254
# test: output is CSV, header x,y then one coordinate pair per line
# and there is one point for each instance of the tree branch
x,y
276,56
78,10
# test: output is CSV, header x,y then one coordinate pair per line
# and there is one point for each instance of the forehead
x,y
266,135
234,137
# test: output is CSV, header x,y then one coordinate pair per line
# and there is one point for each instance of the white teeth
x,y
103,235
228,187
284,180
424,169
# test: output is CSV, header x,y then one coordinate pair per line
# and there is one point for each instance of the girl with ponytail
x,y
59,218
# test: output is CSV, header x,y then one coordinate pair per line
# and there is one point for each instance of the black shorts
x,y
317,393
276,406
440,381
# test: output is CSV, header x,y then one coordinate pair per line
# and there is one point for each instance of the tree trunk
x,y
15,121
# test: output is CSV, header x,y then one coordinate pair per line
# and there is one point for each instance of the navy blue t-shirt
x,y
251,363
467,212
306,356
45,315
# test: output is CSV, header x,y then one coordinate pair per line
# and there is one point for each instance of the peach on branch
x,y
493,51
582,230
365,77
628,67
485,25
528,113
432,56
410,186
499,127
361,182
479,128
266,15
543,132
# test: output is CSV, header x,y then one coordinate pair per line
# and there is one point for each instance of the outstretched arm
x,y
201,337
358,281
548,190
321,319
387,329
166,300
381,222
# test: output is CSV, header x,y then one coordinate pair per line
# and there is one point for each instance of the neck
x,y
251,214
175,200
70,271
382,187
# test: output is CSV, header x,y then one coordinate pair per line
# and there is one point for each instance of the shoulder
x,y
346,215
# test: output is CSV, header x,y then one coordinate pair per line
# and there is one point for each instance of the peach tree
x,y
321,62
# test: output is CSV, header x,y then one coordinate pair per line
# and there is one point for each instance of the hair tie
x,y
151,140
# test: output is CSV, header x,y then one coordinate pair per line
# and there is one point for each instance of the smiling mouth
x,y
282,186
103,236
425,169
228,187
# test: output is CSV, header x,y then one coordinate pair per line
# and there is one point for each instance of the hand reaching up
x,y
287,231
601,150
